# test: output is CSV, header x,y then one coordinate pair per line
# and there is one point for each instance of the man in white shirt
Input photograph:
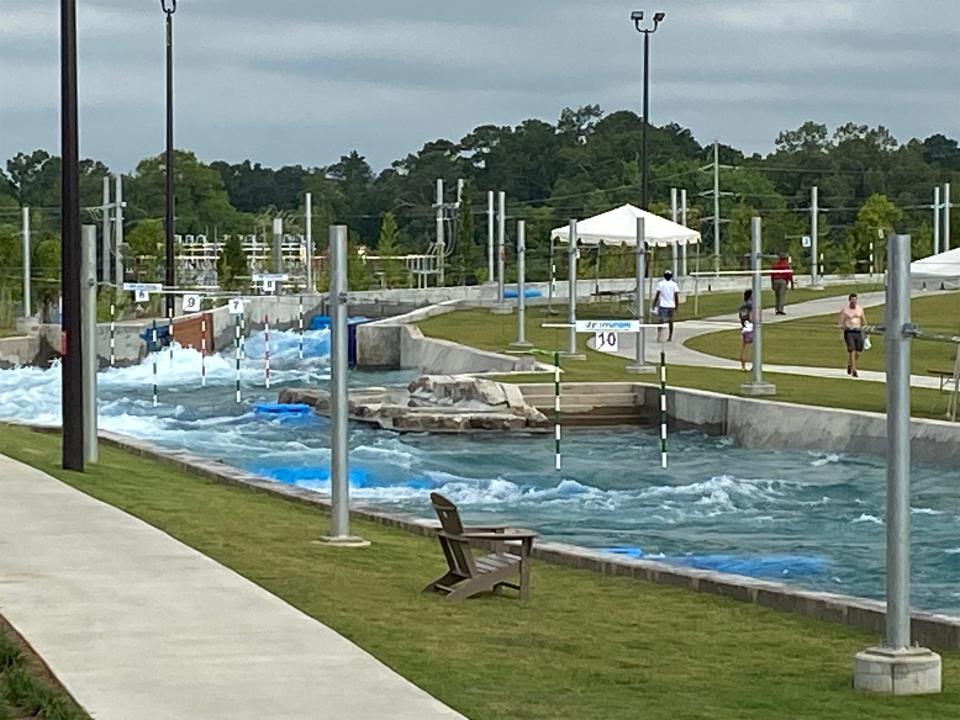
x,y
665,303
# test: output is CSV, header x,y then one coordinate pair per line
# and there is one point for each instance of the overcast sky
x,y
303,81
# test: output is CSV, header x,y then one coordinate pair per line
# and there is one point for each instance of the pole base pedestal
x,y
907,671
349,541
524,344
640,369
752,389
502,309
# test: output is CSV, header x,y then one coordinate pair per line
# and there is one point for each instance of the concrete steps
x,y
587,403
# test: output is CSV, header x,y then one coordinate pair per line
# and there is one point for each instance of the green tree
x,y
876,219
394,271
232,263
144,244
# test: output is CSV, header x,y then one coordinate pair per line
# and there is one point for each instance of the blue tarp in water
x,y
749,565
510,293
275,408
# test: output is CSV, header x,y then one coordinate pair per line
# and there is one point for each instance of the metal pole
x,y
815,280
118,234
88,272
898,336
553,279
309,230
490,247
674,253
755,265
277,240
640,360
72,373
105,232
27,309
683,221
171,279
946,216
646,119
936,220
572,288
339,484
439,206
716,206
501,243
521,286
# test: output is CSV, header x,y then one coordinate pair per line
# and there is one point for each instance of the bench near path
x,y
137,625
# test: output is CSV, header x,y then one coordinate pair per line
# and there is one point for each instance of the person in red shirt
x,y
782,276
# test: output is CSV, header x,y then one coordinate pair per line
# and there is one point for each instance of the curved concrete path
x,y
679,354
137,625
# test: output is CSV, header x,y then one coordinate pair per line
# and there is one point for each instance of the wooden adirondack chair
x,y
467,575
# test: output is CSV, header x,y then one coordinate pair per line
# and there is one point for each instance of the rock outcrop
x,y
434,403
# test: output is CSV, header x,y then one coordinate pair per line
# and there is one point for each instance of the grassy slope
x,y
482,329
588,646
816,341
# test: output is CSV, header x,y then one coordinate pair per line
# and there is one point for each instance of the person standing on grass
x,y
746,327
782,276
852,322
665,302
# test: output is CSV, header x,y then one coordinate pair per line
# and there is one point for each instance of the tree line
x,y
586,162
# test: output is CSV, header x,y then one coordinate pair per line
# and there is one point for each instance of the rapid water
x,y
815,519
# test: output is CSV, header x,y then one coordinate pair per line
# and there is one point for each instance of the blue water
x,y
814,519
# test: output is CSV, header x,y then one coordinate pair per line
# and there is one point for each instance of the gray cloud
x,y
300,81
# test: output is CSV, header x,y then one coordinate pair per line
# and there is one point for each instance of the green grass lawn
x,y
817,341
482,329
710,304
587,645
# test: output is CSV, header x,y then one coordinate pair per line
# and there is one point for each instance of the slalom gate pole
x,y
236,334
556,411
243,336
300,320
155,353
113,334
203,351
170,331
663,408
266,351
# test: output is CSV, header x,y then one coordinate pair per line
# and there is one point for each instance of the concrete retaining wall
x,y
939,632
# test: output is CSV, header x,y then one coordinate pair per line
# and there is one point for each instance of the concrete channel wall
x,y
940,632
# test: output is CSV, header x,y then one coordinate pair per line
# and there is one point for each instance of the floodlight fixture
x,y
168,6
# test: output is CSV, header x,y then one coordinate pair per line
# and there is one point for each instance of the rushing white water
x,y
809,517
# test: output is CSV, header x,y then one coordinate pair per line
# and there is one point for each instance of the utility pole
x,y
639,364
105,232
27,310
715,167
815,279
501,245
169,8
521,341
72,342
490,248
946,216
572,291
118,234
674,254
88,272
309,232
757,386
277,245
936,220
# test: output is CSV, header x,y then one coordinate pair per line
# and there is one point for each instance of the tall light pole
x,y
72,374
169,8
637,17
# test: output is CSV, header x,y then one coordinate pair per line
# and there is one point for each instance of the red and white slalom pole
x,y
203,351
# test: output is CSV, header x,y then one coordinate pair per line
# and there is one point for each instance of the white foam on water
x,y
866,518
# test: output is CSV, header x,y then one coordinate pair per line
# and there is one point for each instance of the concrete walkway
x,y
679,354
137,625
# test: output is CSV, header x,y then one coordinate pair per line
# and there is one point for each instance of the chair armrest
x,y
515,535
486,528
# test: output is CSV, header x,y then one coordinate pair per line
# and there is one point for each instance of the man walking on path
x,y
782,275
852,321
665,303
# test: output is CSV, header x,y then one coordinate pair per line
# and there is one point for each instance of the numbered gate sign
x,y
141,296
607,341
807,241
235,305
269,285
191,303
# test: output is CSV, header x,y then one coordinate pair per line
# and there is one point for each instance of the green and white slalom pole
x,y
236,334
663,408
556,410
156,352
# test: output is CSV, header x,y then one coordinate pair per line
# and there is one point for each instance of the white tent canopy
x,y
945,266
619,227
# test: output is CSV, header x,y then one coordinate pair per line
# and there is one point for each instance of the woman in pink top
x,y
852,321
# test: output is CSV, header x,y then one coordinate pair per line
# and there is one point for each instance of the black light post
x,y
637,17
72,344
169,8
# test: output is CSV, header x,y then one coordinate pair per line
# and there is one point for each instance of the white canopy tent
x,y
619,227
943,267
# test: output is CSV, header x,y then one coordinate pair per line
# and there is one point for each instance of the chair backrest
x,y
457,552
